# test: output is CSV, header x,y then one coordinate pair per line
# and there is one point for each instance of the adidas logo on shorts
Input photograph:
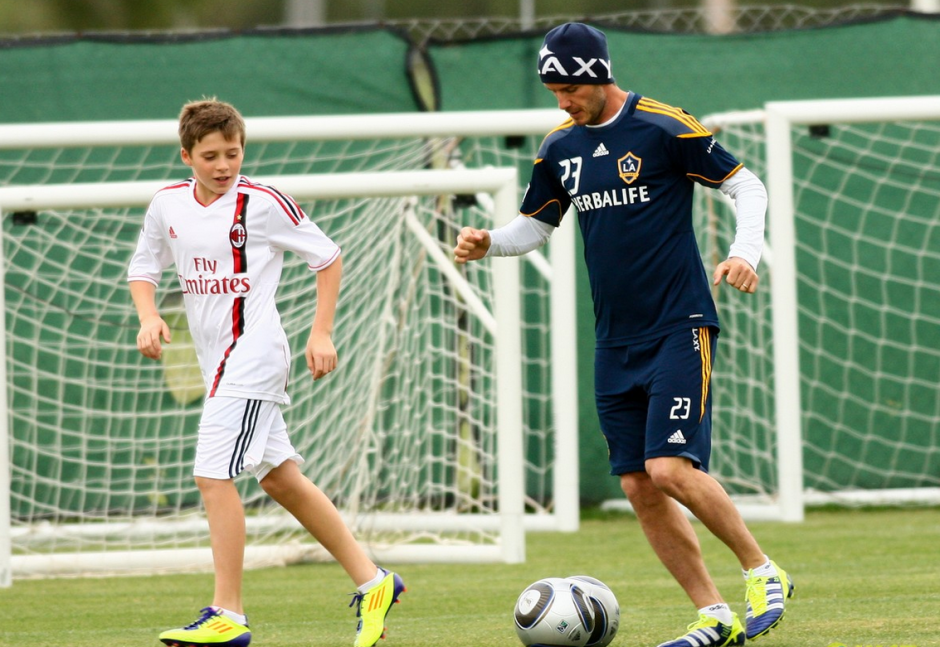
x,y
677,438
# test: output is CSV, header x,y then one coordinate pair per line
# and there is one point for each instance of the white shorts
x,y
238,435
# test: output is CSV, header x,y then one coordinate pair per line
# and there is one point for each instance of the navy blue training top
x,y
631,182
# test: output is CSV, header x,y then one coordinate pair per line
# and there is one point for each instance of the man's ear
x,y
184,155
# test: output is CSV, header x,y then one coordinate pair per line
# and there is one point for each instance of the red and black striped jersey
x,y
228,257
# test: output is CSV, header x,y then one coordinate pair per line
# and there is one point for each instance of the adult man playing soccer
x,y
227,236
628,164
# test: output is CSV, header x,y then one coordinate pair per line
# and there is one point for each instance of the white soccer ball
x,y
554,612
606,609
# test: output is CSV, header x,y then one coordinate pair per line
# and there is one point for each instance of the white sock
x,y
764,570
231,615
379,576
721,611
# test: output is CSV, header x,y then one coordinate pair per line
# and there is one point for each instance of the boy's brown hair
x,y
200,118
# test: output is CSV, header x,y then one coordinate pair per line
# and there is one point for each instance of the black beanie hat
x,y
575,53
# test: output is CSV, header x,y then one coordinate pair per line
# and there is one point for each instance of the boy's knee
x,y
206,484
272,484
280,479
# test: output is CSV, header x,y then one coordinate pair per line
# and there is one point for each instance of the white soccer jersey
x,y
228,257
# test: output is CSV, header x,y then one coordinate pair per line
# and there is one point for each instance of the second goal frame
x,y
779,119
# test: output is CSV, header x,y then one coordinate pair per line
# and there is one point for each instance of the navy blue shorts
x,y
653,399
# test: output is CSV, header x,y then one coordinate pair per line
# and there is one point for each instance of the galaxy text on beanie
x,y
575,53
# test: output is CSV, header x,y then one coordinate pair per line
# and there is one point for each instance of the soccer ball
x,y
554,612
606,609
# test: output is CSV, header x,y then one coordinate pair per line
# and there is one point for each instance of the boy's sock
x,y
237,617
379,576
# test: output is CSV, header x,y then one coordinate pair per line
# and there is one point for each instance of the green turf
x,y
862,578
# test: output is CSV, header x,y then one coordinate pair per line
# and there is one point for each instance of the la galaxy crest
x,y
628,167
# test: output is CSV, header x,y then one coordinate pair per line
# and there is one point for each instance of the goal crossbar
x,y
290,129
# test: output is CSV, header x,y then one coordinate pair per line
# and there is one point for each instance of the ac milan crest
x,y
238,235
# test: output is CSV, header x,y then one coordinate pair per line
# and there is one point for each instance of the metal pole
x,y
6,541
305,13
527,14
719,16
925,6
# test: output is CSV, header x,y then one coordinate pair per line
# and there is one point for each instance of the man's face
x,y
216,163
584,103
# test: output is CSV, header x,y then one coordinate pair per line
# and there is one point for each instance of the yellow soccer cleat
x,y
765,601
212,629
709,632
372,607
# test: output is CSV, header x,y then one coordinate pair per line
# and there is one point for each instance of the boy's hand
x,y
148,339
321,354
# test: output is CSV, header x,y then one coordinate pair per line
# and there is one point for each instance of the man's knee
x,y
640,490
670,474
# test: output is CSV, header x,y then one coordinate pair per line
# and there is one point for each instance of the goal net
x,y
435,434
826,378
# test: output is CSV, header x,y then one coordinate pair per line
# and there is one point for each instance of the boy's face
x,y
216,163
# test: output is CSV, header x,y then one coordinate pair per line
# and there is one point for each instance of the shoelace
x,y
357,600
757,601
701,622
207,614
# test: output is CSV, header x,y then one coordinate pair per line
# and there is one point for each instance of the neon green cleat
x,y
765,601
709,632
212,629
372,607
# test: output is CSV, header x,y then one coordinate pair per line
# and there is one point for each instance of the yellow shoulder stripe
x,y
567,123
698,130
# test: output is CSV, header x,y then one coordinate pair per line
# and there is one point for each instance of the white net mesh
x,y
867,209
103,439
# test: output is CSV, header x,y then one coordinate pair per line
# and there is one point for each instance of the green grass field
x,y
862,578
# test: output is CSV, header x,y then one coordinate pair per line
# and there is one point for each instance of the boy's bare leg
x,y
287,485
226,517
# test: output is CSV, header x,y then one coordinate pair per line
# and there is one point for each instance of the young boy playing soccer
x,y
227,235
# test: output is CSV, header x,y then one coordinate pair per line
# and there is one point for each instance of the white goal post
x,y
832,368
780,120
490,523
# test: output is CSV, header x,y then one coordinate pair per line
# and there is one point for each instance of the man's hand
x,y
737,273
472,245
